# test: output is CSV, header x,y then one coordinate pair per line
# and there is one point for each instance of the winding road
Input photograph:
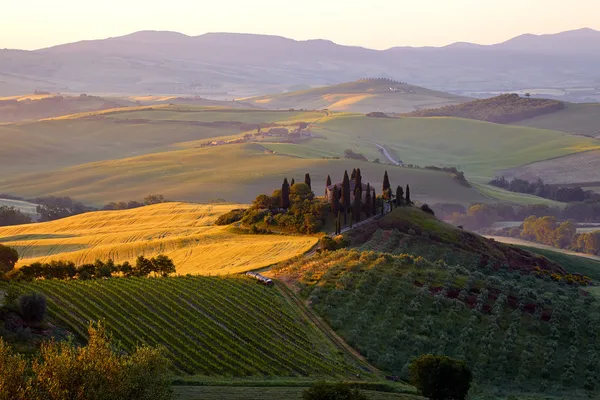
x,y
387,154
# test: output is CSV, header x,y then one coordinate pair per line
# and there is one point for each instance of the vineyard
x,y
208,325
183,232
517,331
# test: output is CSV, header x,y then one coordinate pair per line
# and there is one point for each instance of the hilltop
x,y
502,109
363,96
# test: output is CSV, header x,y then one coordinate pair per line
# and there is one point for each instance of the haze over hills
x,y
230,65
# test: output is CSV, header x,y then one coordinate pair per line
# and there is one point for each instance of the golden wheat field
x,y
182,231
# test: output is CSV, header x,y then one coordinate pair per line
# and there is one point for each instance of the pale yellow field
x,y
182,231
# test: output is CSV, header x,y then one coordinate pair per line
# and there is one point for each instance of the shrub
x,y
427,209
230,217
32,307
328,244
332,391
440,377
8,258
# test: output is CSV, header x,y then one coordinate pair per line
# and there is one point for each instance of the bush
x,y
328,244
230,217
427,209
8,258
440,377
32,307
332,391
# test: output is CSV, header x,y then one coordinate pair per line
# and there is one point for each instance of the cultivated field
x,y
362,96
581,168
23,206
183,232
581,119
208,325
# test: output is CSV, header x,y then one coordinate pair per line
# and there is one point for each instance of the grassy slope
x,y
184,232
237,173
76,140
583,119
570,262
209,326
360,96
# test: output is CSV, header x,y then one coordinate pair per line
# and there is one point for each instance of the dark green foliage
x,y
348,153
386,184
374,203
52,208
399,196
408,199
230,217
32,307
122,205
332,391
353,175
566,194
335,201
440,377
427,209
357,207
327,183
327,244
293,182
307,181
285,194
346,195
8,258
12,216
368,199
154,199
502,109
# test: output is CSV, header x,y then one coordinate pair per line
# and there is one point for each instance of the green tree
x,y
143,266
357,206
285,194
163,265
154,199
307,181
386,185
293,182
374,203
32,307
408,199
346,196
399,196
327,184
440,377
8,258
13,378
335,200
353,176
368,207
12,216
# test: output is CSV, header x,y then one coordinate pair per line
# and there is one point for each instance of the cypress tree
x,y
357,182
399,196
285,194
292,183
346,196
386,185
408,201
357,207
374,203
335,201
307,181
368,201
338,226
327,184
353,176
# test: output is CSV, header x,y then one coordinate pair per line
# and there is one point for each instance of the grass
x,y
263,393
572,263
236,173
183,232
229,327
361,96
583,119
513,197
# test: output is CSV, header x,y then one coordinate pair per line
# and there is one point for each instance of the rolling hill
x,y
184,232
228,65
578,119
362,96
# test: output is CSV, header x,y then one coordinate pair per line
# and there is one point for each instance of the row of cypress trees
x,y
285,190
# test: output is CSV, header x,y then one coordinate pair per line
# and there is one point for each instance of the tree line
x,y
160,265
539,188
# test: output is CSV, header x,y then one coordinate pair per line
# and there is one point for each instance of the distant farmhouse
x,y
329,191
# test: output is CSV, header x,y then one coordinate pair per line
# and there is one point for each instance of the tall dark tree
x,y
335,201
399,196
285,194
374,203
353,176
357,181
386,185
327,184
307,181
357,206
346,196
368,207
408,200
292,183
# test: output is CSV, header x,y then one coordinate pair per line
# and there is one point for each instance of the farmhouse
x,y
329,191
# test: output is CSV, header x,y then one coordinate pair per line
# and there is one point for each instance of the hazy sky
x,y
31,24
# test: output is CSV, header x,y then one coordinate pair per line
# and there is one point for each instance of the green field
x,y
361,96
209,326
581,119
573,264
236,173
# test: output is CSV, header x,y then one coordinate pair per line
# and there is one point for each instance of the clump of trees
x,y
13,216
231,217
64,370
539,188
160,265
440,377
351,154
8,259
459,176
501,109
52,208
332,391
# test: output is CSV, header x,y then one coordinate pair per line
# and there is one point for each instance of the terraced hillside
x,y
208,326
236,173
362,96
184,232
420,286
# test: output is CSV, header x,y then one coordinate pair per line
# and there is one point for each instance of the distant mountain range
x,y
236,65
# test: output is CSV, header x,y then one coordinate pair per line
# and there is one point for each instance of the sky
x,y
379,24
